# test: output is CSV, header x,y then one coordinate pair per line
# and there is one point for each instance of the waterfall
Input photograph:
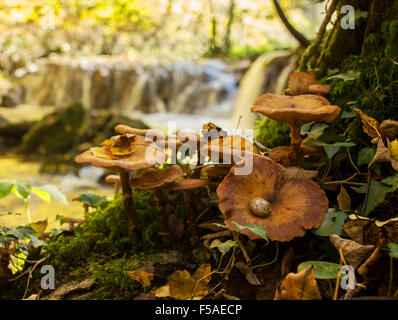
x,y
128,86
268,74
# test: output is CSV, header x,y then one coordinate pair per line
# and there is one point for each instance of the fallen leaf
x,y
287,261
248,273
143,277
181,285
298,286
162,292
363,270
102,153
344,199
40,228
369,125
353,252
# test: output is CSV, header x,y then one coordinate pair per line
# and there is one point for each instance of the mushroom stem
x,y
296,144
163,217
191,218
128,198
85,206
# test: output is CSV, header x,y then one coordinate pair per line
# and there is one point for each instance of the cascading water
x,y
129,86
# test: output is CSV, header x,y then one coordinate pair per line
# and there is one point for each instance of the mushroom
x,y
71,222
296,111
230,149
302,83
285,207
124,153
185,186
155,179
115,180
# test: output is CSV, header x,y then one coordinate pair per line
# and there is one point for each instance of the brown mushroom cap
x,y
302,83
216,171
296,205
121,128
283,155
112,179
145,155
187,184
156,178
296,110
234,148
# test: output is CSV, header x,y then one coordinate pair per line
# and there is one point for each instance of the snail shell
x,y
260,207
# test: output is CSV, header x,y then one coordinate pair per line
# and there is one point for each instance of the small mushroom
x,y
296,111
71,222
155,179
130,153
302,83
285,207
115,180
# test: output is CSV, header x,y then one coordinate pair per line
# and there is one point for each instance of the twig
x,y
32,269
336,289
322,29
367,193
346,181
242,248
297,35
220,234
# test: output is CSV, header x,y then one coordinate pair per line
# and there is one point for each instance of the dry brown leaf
x,y
353,252
299,173
248,273
364,269
298,286
162,292
287,261
373,231
344,199
141,276
369,125
102,152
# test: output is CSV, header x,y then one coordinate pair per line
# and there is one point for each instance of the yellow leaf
x,y
120,145
143,277
40,228
393,147
183,286
162,292
369,125
344,200
298,286
102,152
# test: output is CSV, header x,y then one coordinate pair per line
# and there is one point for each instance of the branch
x,y
322,29
297,35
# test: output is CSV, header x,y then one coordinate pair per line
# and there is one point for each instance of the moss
x,y
56,133
271,133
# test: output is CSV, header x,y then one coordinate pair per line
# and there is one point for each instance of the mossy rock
x,y
56,133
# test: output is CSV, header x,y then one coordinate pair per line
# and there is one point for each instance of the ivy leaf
x,y
365,156
332,224
223,247
377,194
330,148
322,269
254,228
391,181
5,187
36,241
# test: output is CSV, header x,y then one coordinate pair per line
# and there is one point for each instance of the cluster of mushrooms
x,y
285,204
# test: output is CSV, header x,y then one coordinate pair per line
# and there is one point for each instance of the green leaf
x,y
393,250
330,148
20,232
223,247
54,192
315,131
22,189
254,228
377,194
91,199
36,241
347,76
332,224
391,181
322,269
41,194
365,155
5,187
